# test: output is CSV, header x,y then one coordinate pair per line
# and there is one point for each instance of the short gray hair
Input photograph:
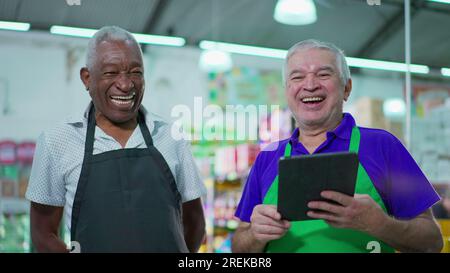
x,y
344,70
107,33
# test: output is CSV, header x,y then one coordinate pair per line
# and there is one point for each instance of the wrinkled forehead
x,y
312,59
118,52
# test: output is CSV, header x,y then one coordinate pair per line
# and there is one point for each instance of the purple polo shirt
x,y
405,190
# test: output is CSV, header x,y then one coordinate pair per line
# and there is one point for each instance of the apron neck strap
x,y
144,129
89,145
288,149
354,140
354,143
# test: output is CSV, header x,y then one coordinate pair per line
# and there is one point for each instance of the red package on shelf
x,y
25,152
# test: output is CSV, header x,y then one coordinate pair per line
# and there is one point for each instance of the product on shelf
x,y
15,168
9,176
14,233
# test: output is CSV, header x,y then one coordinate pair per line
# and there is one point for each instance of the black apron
x,y
126,200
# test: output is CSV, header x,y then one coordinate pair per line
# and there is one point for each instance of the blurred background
x,y
227,53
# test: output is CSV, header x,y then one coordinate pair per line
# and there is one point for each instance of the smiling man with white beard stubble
x,y
392,202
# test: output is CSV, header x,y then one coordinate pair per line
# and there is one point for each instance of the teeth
x,y
312,99
123,97
121,102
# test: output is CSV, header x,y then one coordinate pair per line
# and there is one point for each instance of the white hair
x,y
344,70
107,33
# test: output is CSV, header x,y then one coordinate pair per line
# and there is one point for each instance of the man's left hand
x,y
360,212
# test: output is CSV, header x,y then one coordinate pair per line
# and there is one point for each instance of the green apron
x,y
316,235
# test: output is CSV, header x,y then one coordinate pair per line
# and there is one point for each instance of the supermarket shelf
x,y
11,205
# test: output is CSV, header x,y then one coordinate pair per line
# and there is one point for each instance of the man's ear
x,y
84,76
347,89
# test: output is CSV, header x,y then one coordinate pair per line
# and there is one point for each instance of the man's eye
x,y
298,77
324,75
110,73
136,72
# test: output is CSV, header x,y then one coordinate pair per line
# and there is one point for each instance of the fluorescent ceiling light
x,y
73,31
441,1
14,26
159,40
141,38
281,54
215,61
445,72
295,12
384,65
243,49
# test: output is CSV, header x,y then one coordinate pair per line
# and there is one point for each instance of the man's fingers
x,y
269,211
286,224
338,197
267,238
269,230
323,216
325,206
264,220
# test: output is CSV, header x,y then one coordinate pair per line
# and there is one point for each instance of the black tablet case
x,y
303,178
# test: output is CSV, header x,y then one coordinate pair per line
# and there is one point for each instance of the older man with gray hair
x,y
391,206
121,182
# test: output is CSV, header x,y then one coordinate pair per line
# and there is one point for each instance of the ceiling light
x,y
384,65
394,108
441,1
73,31
244,49
445,72
14,26
295,12
159,40
141,38
213,60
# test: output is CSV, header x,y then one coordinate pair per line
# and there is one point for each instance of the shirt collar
x,y
344,129
80,118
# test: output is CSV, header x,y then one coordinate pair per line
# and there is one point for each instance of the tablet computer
x,y
301,180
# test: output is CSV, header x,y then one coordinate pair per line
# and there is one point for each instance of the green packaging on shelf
x,y
11,172
14,233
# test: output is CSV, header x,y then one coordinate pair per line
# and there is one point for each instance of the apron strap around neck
x,y
288,149
90,134
354,140
144,129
